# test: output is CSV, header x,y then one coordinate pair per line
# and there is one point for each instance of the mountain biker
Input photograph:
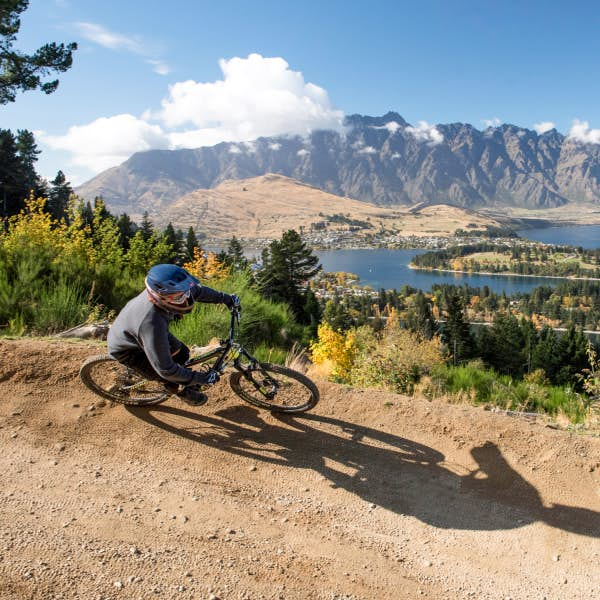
x,y
140,336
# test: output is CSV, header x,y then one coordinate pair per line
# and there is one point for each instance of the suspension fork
x,y
268,386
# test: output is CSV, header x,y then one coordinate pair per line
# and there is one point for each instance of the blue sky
x,y
179,74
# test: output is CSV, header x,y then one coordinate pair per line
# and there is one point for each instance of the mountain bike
x,y
273,387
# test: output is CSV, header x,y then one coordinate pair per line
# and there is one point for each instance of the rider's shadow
x,y
386,470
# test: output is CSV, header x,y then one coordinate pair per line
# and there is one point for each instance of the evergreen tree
x,y
59,195
456,331
506,351
13,191
336,315
312,311
420,318
234,257
146,227
127,229
288,265
573,346
28,153
173,243
546,354
191,242
23,72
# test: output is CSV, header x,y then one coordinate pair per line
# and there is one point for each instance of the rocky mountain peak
x,y
382,160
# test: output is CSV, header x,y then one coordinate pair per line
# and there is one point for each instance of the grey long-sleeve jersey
x,y
142,325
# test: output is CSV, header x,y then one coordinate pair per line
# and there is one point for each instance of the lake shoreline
x,y
504,274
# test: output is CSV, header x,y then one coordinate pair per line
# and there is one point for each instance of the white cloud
x,y
426,133
580,132
544,126
106,142
108,39
257,97
367,150
250,147
392,127
493,122
395,155
302,152
159,67
234,150
117,41
274,146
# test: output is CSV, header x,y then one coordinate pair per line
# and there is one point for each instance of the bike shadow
x,y
389,471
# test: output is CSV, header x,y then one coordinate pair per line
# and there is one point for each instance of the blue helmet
x,y
170,287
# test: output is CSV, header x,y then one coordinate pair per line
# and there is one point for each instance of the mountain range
x,y
380,160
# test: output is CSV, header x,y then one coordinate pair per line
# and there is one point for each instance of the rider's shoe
x,y
192,395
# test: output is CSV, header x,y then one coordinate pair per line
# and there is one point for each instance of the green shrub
x,y
479,385
396,360
267,328
59,307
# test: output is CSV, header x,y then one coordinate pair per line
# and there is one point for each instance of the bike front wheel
x,y
276,388
112,380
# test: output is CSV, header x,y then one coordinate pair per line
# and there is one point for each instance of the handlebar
x,y
235,318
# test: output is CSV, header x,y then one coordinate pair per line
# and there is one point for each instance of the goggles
x,y
177,297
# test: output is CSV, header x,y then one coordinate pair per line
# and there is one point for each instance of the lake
x,y
382,268
587,236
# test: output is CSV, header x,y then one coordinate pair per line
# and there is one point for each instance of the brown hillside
x,y
370,496
264,207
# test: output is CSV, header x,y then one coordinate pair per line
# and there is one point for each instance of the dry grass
x,y
264,207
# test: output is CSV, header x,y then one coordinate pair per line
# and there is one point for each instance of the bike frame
x,y
228,352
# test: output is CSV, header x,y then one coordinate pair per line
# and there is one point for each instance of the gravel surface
x,y
370,496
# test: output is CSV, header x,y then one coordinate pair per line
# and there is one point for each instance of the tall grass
x,y
474,383
59,307
33,299
267,328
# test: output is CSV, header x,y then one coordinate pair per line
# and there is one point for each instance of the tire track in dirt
x,y
372,495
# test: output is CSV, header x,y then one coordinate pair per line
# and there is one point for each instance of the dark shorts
x,y
136,359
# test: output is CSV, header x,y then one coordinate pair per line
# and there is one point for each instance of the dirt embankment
x,y
372,495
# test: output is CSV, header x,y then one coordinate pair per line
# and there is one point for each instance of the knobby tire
x,y
108,378
294,391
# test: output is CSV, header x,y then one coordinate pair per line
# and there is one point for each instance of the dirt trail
x,y
372,495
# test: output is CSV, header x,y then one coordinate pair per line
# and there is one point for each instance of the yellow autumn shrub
x,y
206,265
334,352
396,361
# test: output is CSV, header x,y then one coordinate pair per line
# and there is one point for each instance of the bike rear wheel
x,y
112,380
276,388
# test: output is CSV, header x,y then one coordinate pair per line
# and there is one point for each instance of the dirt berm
x,y
371,495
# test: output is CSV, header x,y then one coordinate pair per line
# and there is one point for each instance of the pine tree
x,y
58,196
573,348
127,229
23,72
456,331
172,241
191,242
234,257
28,154
146,227
507,351
288,265
13,192
420,317
546,354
